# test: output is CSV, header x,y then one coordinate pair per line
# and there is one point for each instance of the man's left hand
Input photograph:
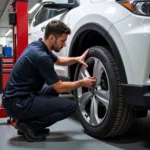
x,y
82,58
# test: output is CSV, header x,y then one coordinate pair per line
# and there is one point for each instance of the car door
x,y
39,23
43,16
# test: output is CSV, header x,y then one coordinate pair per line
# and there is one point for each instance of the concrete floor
x,y
69,135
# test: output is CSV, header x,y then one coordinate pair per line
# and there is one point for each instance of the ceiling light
x,y
34,8
8,32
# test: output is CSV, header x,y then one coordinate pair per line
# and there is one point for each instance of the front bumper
x,y
132,37
137,95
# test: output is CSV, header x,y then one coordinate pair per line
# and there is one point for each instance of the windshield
x,y
78,1
74,1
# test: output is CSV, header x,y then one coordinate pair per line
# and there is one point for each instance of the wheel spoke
x,y
84,73
84,99
103,97
98,70
94,112
94,102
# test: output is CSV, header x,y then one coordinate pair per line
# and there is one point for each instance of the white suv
x,y
118,36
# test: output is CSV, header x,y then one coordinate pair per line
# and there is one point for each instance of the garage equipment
x,y
18,18
7,64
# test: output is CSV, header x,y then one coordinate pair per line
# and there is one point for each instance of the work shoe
x,y
30,133
41,132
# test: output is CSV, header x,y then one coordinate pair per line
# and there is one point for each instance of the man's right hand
x,y
89,82
61,87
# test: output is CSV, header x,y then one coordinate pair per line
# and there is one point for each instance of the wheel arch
x,y
92,34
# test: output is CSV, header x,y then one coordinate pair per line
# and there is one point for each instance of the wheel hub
x,y
94,91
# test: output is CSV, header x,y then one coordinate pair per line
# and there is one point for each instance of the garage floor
x,y
69,135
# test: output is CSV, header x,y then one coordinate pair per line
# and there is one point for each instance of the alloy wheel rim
x,y
94,102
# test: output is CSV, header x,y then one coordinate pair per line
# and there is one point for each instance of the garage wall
x,y
3,41
9,41
6,41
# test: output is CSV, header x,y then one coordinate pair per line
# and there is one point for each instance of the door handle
x,y
43,28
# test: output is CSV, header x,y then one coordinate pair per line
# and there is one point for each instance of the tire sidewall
x,y
107,124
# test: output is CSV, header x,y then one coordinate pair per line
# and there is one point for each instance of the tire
x,y
112,118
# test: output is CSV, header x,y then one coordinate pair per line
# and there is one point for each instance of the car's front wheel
x,y
102,110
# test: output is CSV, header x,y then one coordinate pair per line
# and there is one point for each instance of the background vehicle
x,y
117,34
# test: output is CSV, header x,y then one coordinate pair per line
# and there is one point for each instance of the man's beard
x,y
56,48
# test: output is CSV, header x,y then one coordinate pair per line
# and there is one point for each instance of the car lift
x,y
18,18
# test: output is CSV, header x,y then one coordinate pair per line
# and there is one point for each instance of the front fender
x,y
108,38
103,13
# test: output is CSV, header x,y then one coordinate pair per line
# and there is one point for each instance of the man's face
x,y
59,43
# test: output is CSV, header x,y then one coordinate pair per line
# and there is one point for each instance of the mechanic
x,y
26,98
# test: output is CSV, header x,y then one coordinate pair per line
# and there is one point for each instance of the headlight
x,y
137,7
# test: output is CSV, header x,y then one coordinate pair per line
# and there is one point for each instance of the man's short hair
x,y
57,28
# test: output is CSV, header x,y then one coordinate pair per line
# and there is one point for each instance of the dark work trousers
x,y
42,110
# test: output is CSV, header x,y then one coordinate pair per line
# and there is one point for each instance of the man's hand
x,y
60,86
67,61
82,58
89,82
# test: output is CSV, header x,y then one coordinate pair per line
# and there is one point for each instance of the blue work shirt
x,y
34,67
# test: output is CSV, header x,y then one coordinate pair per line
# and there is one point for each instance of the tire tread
x,y
125,114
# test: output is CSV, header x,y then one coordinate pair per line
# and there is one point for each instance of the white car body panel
x,y
94,1
110,15
133,42
130,33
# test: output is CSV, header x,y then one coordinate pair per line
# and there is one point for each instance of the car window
x,y
55,12
77,2
46,13
70,1
41,16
